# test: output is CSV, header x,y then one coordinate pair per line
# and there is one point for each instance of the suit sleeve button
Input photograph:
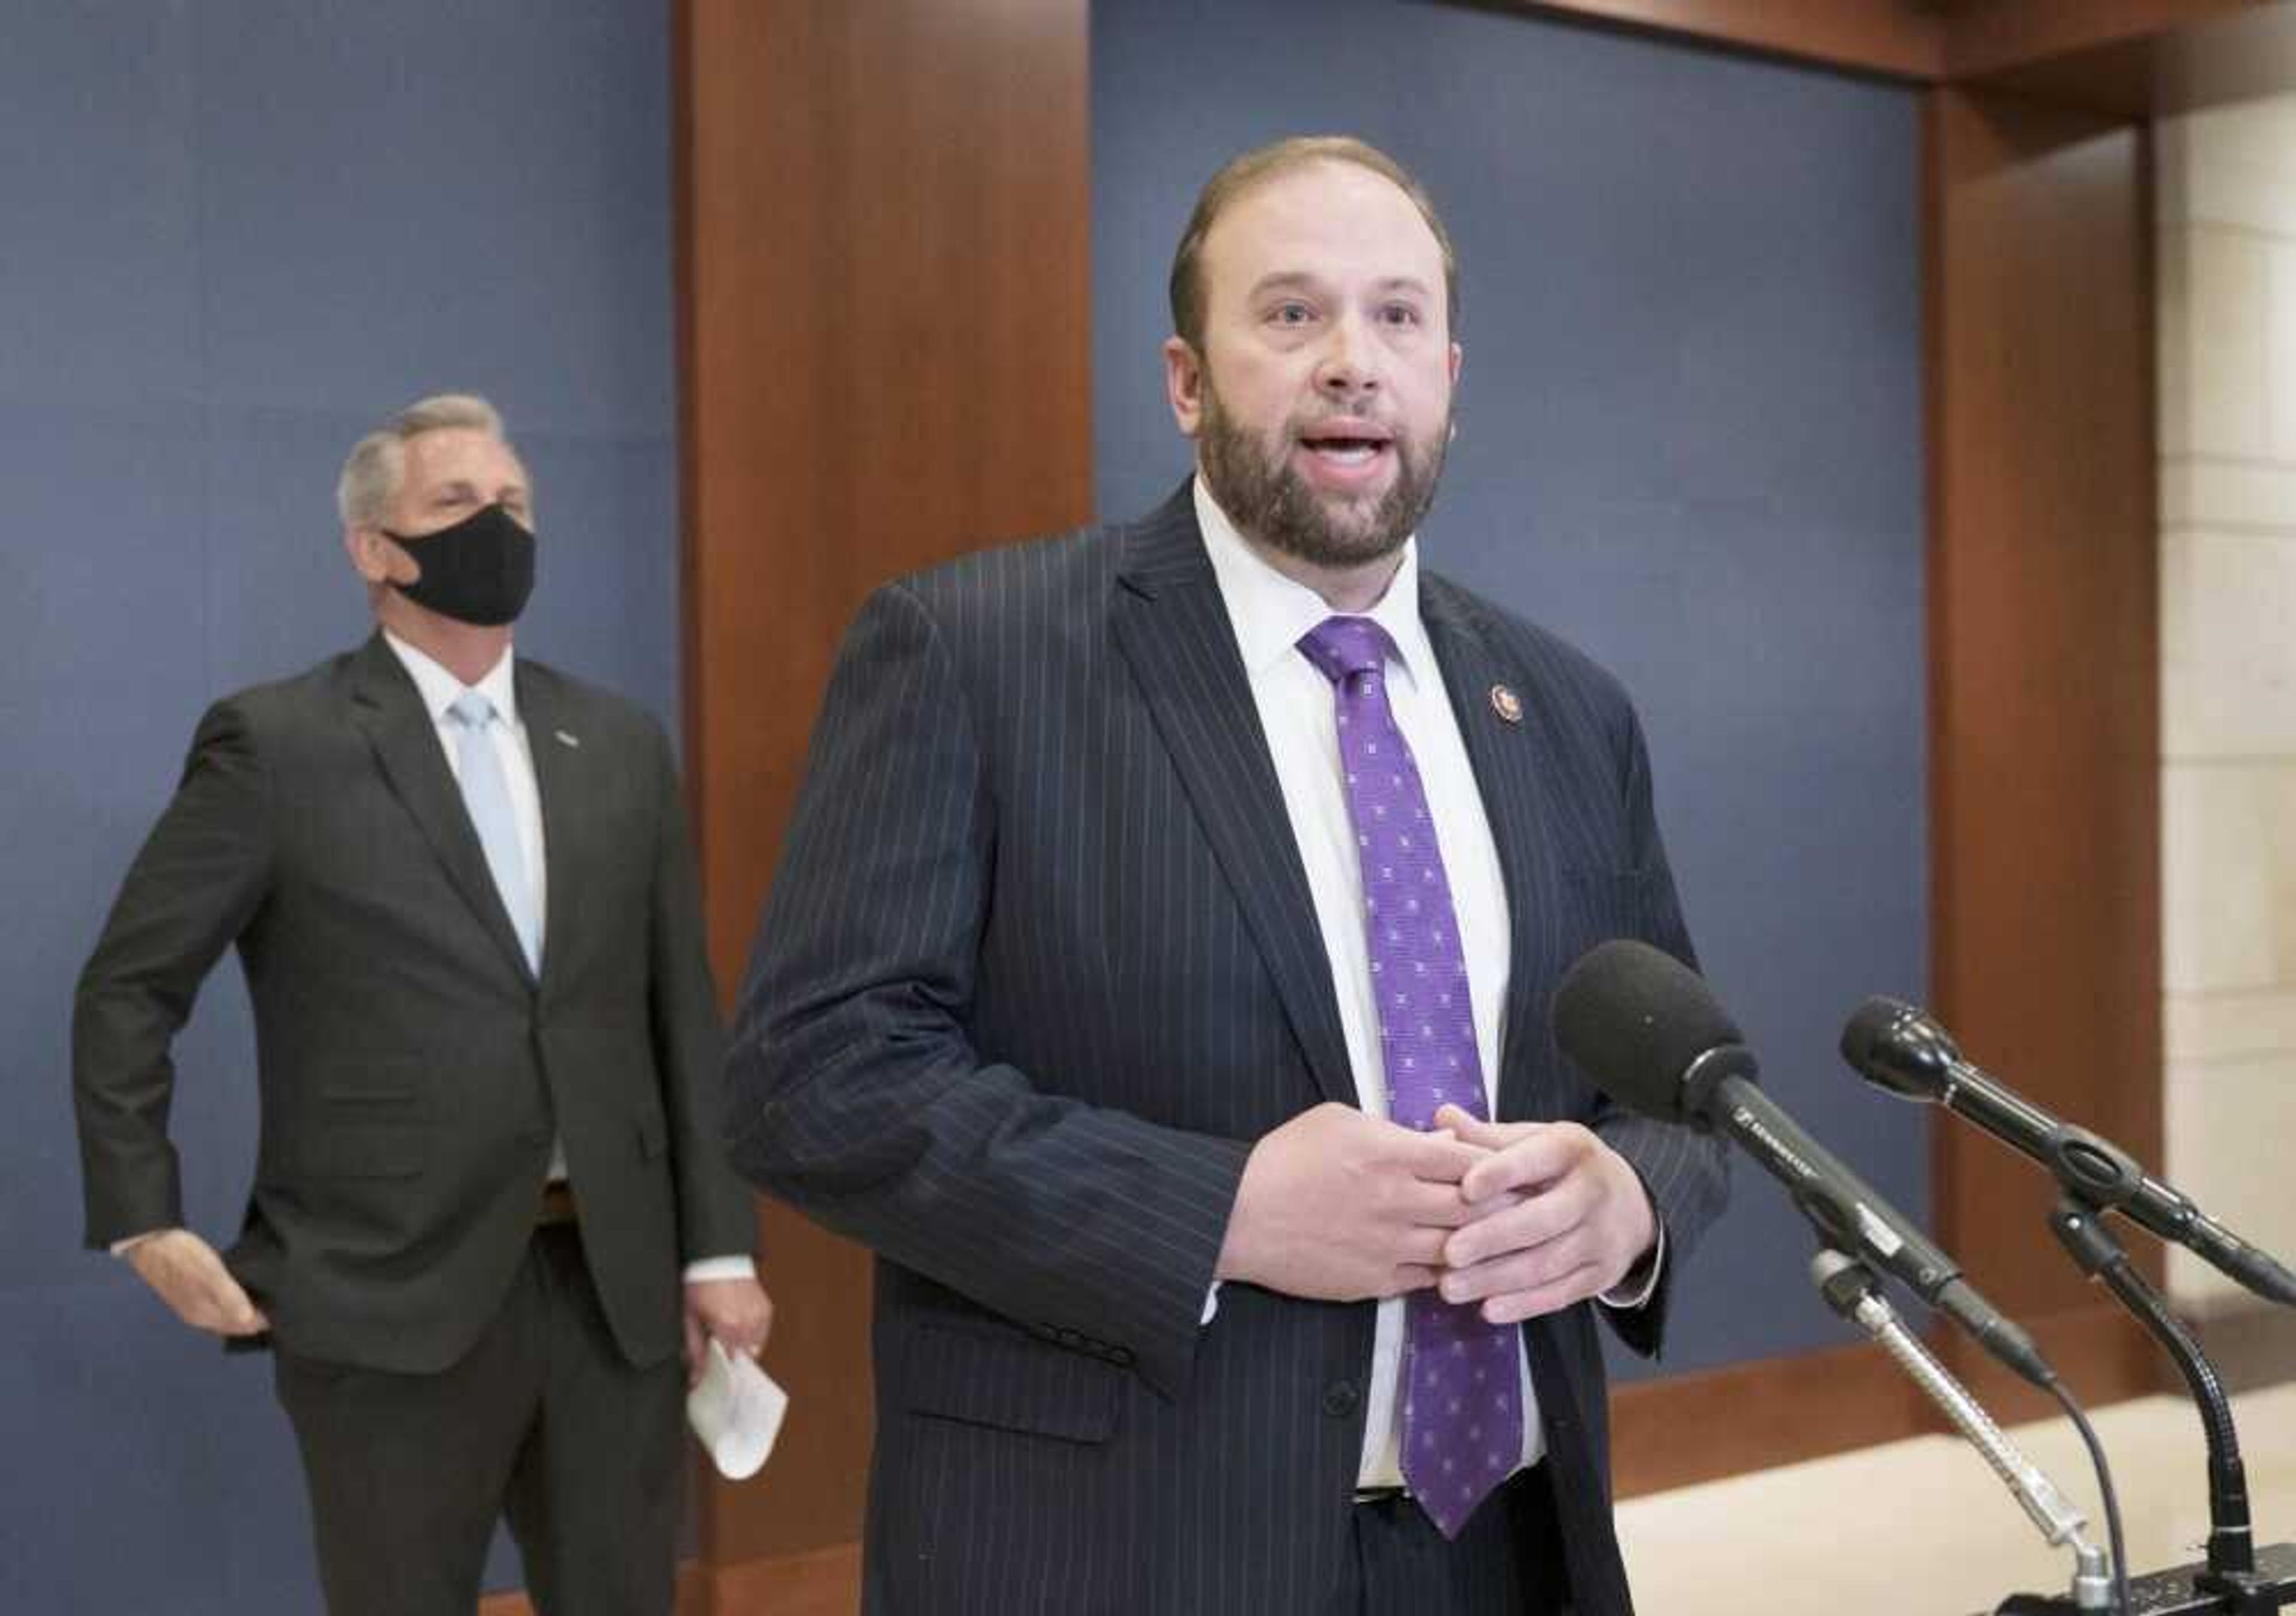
x,y
1341,1398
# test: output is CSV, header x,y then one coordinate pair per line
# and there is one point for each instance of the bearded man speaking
x,y
1157,979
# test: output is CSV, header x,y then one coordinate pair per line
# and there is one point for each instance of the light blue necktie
x,y
485,794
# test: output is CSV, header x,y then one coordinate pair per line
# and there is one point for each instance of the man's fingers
x,y
1420,1248
1409,1277
1489,1135
1514,1307
1518,1270
241,1316
1532,1159
1426,1205
1530,1222
185,1273
1436,1157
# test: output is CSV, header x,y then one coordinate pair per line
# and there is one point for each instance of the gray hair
x,y
377,463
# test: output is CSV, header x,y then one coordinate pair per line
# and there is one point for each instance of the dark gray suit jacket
x,y
1039,966
412,1070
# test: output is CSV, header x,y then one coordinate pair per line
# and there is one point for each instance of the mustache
x,y
1362,428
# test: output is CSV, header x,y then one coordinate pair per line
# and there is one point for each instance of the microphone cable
x,y
2116,1544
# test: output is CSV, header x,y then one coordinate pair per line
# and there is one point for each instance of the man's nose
x,y
1347,368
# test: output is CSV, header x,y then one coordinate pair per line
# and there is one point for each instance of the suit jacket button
x,y
1341,1398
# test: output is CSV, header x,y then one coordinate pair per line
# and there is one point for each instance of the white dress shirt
x,y
1270,613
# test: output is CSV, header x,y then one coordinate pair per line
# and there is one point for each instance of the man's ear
x,y
377,560
1184,383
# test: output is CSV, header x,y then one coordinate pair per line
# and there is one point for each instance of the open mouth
x,y
1349,443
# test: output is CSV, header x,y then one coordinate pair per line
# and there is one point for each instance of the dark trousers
x,y
1507,1561
543,1422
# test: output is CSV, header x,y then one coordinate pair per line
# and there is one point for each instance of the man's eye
x,y
1399,313
1291,313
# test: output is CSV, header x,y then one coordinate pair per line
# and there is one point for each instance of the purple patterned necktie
x,y
1461,1406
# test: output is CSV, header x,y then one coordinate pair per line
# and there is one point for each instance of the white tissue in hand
x,y
736,1409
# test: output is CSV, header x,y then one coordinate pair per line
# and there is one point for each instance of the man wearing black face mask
x,y
488,1207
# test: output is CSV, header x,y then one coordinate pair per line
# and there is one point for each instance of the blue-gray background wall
x,y
237,233
1690,440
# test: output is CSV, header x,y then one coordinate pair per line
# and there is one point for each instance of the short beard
x,y
1261,493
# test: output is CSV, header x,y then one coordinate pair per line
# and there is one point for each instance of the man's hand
x,y
1563,1218
191,1278
1341,1207
735,1311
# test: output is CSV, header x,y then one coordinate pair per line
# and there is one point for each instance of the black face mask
x,y
479,570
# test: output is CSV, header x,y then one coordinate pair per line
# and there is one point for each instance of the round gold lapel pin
x,y
1507,704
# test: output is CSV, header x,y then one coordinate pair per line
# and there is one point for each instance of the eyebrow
x,y
1291,280
462,488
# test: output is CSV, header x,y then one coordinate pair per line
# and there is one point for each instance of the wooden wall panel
x,y
1930,41
1989,36
2045,907
886,340
1684,1429
1903,38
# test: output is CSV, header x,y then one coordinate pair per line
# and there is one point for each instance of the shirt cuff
x,y
711,1269
1211,1305
1635,1289
120,1248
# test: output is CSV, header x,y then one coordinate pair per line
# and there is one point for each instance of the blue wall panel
x,y
1690,440
240,231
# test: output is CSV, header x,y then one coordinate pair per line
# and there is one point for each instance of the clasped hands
x,y
1522,1217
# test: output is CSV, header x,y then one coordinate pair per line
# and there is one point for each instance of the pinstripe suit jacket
x,y
1040,965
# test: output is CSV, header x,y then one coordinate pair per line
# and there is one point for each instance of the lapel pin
x,y
564,739
1507,704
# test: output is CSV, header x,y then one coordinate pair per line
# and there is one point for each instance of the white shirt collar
x,y
1271,612
438,688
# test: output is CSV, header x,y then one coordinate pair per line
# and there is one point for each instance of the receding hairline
x,y
1249,172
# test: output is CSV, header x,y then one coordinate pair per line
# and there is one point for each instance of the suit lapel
x,y
1172,627
386,707
1511,767
555,747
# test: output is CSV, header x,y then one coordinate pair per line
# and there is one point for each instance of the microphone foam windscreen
x,y
1634,1018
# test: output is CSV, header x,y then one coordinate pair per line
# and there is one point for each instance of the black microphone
x,y
1902,1048
1647,1028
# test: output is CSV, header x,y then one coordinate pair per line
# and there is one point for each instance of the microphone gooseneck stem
x,y
1850,1290
2082,1233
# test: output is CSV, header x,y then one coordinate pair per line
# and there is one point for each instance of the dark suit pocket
x,y
1011,1384
358,1150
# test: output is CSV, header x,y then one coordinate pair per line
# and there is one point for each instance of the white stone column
x,y
2226,196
